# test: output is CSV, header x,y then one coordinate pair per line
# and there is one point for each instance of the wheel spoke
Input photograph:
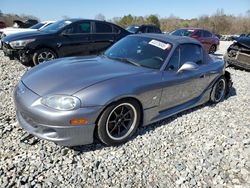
x,y
115,113
126,114
124,126
114,128
122,109
127,119
119,130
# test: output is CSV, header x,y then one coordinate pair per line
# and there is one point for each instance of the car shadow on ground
x,y
97,145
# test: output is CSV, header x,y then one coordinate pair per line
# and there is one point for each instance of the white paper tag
x,y
160,44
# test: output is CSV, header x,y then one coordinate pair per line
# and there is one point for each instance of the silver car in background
x,y
139,80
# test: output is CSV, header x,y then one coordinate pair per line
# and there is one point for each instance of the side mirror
x,y
188,66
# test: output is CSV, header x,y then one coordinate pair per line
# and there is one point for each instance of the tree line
x,y
219,22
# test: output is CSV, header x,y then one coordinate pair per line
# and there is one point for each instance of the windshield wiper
x,y
126,60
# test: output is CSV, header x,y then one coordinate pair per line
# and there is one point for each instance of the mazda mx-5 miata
x,y
139,80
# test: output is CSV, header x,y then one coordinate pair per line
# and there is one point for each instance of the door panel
x,y
76,40
103,36
179,88
76,44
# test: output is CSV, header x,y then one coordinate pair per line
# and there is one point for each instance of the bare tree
x,y
100,17
65,17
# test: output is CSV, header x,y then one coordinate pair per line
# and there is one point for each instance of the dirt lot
x,y
208,146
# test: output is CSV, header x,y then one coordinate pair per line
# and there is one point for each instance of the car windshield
x,y
140,51
132,28
56,26
183,32
37,26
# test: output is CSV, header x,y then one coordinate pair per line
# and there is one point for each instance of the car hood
x,y
24,35
245,41
70,75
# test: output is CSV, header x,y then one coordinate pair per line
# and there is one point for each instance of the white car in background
x,y
13,30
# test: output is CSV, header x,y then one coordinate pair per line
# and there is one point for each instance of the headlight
x,y
18,44
61,102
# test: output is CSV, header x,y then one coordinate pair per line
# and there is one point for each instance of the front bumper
x,y
53,125
62,135
241,60
23,55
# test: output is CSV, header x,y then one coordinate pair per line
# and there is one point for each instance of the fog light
x,y
78,121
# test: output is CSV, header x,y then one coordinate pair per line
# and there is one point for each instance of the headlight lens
x,y
18,44
61,102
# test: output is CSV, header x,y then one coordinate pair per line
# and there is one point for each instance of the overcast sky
x,y
56,9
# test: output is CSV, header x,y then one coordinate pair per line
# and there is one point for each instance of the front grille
x,y
243,58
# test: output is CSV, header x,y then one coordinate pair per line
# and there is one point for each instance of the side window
x,y
199,33
142,29
84,27
78,28
103,28
191,52
207,34
69,30
116,30
173,64
151,29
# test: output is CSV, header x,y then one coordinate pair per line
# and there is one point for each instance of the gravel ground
x,y
208,146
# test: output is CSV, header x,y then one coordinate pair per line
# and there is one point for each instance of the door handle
x,y
112,41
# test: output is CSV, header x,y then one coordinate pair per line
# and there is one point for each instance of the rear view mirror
x,y
188,66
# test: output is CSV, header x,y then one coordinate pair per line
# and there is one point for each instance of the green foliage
x,y
153,19
218,23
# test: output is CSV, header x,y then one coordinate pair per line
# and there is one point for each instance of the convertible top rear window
x,y
143,51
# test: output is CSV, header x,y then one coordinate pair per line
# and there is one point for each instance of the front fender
x,y
143,87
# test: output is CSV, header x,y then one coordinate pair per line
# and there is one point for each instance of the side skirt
x,y
177,109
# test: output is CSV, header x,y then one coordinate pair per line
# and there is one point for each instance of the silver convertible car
x,y
139,80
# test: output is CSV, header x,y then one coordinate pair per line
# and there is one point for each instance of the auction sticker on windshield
x,y
160,44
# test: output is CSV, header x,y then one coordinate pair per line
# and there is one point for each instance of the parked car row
x,y
209,40
64,38
48,40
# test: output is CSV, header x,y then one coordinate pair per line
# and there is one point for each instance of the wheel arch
x,y
46,46
117,100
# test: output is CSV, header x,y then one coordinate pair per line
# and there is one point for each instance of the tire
x,y
212,49
42,55
219,90
115,119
